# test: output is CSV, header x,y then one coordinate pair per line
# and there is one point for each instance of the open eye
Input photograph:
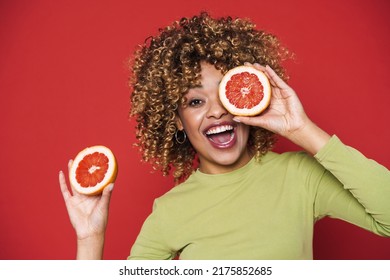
x,y
195,102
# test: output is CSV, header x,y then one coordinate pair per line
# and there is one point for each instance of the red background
x,y
63,86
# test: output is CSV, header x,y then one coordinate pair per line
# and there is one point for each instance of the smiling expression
x,y
220,142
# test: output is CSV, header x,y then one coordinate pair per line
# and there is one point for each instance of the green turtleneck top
x,y
267,209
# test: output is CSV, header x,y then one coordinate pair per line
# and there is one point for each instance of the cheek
x,y
192,122
244,132
192,129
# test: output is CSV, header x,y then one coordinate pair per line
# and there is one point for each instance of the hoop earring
x,y
180,139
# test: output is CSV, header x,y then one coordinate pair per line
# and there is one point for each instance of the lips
x,y
221,135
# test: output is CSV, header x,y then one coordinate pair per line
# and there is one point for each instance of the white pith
x,y
244,91
93,168
107,178
245,111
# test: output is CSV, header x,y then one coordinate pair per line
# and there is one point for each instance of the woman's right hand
x,y
88,214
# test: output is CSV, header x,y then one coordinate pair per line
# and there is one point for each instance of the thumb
x,y
106,196
110,187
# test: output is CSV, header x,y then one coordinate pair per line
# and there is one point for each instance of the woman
x,y
235,199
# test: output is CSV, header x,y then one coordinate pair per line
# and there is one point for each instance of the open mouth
x,y
221,135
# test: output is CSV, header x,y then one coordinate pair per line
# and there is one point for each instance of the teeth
x,y
219,129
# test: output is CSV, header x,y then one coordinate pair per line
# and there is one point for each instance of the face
x,y
220,142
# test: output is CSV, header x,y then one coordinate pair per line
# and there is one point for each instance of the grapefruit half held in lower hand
x,y
245,91
92,170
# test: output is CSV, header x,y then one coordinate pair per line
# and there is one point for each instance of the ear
x,y
179,123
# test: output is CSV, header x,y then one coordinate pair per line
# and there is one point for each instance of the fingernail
x,y
236,120
111,187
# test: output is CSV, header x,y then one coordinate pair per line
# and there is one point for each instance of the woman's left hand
x,y
285,114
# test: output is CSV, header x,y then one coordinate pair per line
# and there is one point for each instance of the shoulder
x,y
294,167
297,159
183,192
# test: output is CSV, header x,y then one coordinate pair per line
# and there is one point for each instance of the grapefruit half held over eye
x,y
92,170
245,91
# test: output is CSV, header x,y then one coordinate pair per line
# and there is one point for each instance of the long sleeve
x,y
363,198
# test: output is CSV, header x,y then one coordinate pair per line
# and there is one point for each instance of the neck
x,y
214,168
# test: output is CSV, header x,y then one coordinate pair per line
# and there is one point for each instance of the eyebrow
x,y
197,86
200,86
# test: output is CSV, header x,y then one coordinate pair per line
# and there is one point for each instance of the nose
x,y
216,109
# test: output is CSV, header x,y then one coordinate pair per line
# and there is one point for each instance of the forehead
x,y
208,80
209,74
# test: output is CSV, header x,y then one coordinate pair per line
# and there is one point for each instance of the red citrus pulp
x,y
245,91
92,170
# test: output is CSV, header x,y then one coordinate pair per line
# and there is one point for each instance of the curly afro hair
x,y
166,66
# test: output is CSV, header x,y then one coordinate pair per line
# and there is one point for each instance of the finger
x,y
257,66
106,196
70,162
252,121
108,189
64,188
260,67
111,187
274,78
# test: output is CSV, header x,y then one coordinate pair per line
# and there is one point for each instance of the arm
x,y
89,216
353,187
90,248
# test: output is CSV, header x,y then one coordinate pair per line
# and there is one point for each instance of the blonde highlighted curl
x,y
166,66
